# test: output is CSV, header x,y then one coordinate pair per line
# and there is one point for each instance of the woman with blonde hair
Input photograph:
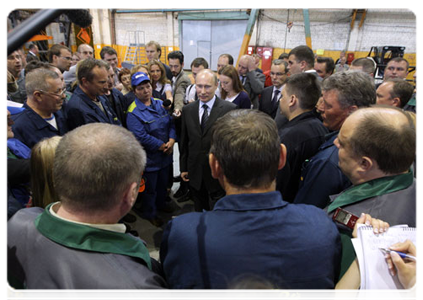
x,y
129,97
232,89
159,80
42,157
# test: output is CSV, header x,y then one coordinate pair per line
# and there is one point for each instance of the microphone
x,y
167,103
80,17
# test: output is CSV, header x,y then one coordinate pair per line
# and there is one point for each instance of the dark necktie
x,y
275,98
204,117
243,78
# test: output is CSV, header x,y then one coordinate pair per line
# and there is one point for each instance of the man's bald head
x,y
384,134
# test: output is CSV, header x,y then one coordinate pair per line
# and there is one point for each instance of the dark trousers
x,y
155,192
205,200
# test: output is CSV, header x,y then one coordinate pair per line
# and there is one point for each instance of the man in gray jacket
x,y
252,80
377,147
77,243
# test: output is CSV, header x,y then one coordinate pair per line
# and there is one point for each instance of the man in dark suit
x,y
32,53
197,120
271,95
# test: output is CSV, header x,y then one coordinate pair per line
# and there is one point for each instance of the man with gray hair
x,y
88,103
42,116
77,243
343,93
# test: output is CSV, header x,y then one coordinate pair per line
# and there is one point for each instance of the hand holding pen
x,y
401,259
401,254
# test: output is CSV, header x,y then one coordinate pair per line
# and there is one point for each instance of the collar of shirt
x,y
280,91
209,104
111,227
175,78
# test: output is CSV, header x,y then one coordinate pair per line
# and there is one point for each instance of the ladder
x,y
135,53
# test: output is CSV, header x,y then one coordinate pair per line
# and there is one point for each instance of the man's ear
x,y
130,196
83,81
282,157
396,102
293,100
216,169
366,164
352,109
303,64
37,96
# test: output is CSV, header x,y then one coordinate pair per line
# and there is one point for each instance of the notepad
x,y
374,271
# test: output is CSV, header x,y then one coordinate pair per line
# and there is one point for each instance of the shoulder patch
x,y
132,107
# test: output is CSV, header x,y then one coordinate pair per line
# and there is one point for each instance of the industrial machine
x,y
382,55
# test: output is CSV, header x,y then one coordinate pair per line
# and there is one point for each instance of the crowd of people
x,y
267,157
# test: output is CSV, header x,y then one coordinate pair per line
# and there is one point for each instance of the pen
x,y
401,254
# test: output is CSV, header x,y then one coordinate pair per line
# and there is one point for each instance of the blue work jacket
x,y
81,110
119,105
152,126
321,176
289,246
30,127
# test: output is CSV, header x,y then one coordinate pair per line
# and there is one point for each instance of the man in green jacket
x,y
377,146
77,243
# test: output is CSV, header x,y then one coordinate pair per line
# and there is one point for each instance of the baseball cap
x,y
138,78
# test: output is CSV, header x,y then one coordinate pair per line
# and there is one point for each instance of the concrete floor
x,y
151,234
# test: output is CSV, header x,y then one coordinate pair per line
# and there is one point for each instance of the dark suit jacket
x,y
31,57
265,103
81,110
195,145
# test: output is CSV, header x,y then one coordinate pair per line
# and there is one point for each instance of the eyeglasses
x,y
66,57
55,94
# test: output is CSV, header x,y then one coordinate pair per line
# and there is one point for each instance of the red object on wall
x,y
251,50
350,58
266,55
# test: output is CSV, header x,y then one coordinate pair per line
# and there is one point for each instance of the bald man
x,y
377,146
252,80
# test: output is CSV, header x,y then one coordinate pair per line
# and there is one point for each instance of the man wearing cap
x,y
88,103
